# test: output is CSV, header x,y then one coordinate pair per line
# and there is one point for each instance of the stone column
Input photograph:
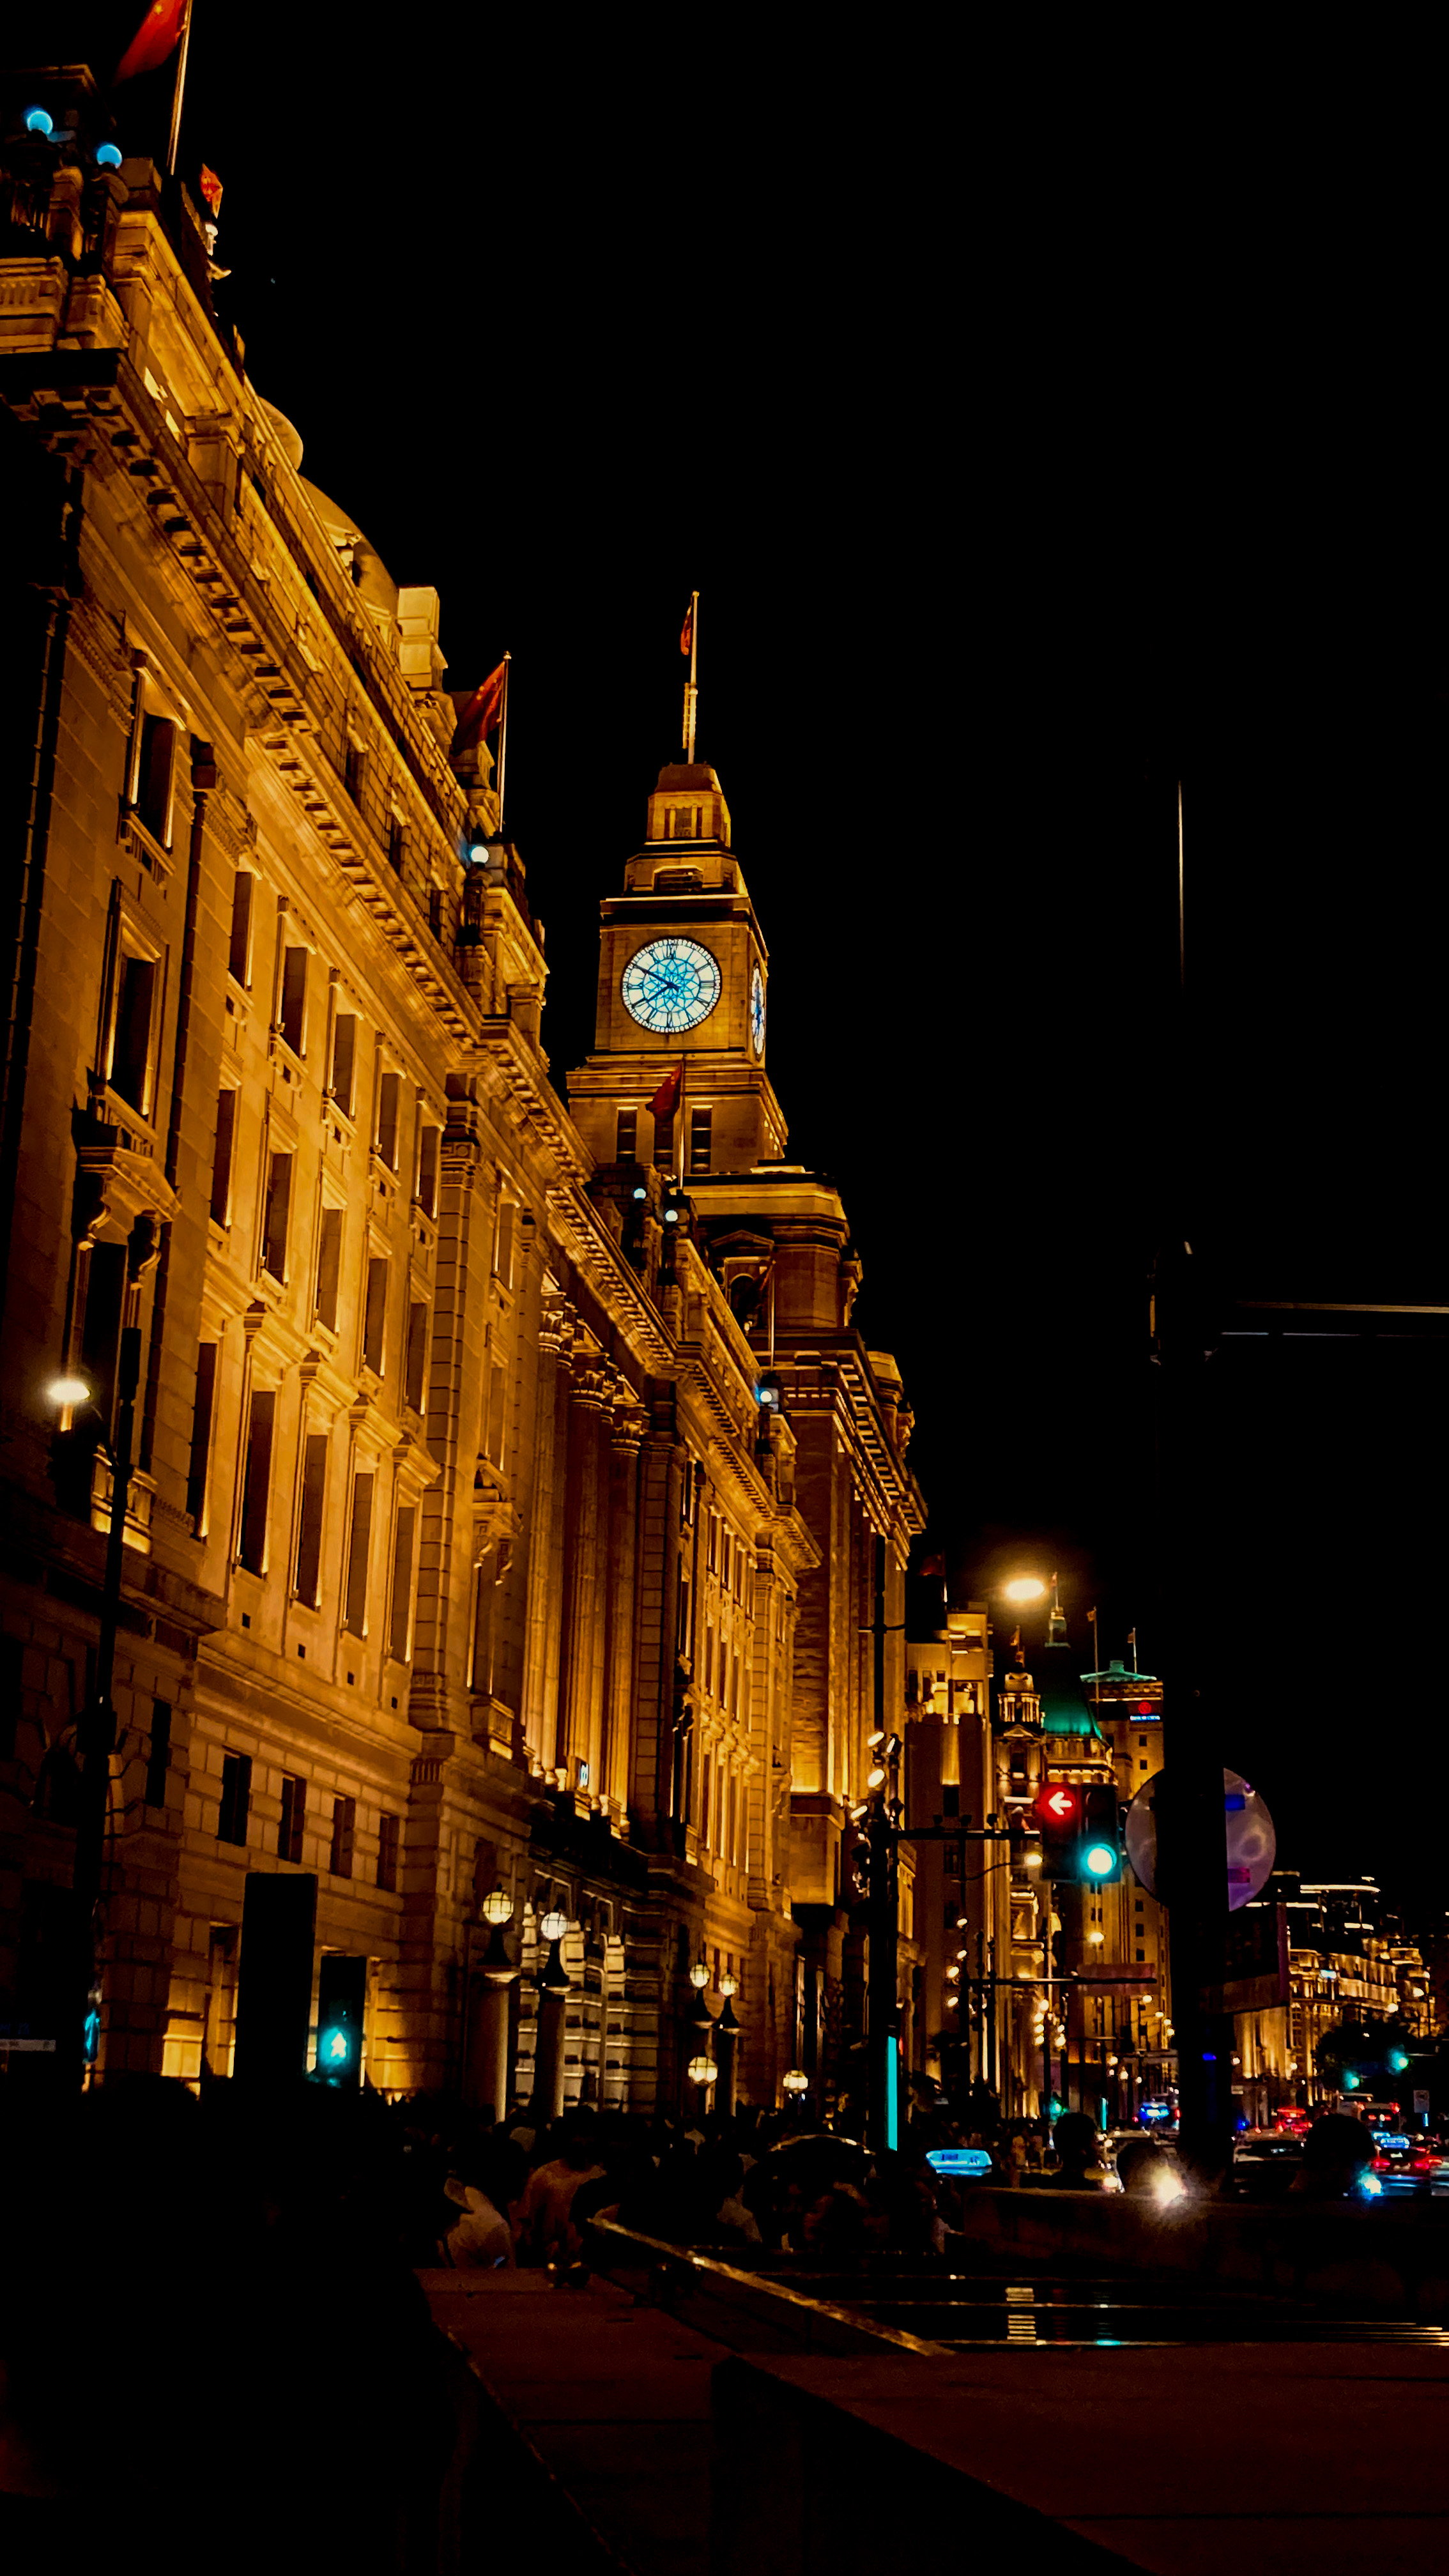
x,y
581,1679
486,2074
626,1434
444,1600
541,1650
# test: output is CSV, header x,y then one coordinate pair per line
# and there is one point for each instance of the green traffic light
x,y
1398,2061
1099,1860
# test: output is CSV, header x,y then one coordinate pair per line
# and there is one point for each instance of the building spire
x,y
689,643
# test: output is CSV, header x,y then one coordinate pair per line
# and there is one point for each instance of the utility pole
x,y
883,1841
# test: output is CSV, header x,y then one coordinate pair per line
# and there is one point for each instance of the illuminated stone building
x,y
463,1560
970,1901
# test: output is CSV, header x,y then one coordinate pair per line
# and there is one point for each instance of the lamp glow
x,y
108,156
497,1906
1024,1587
729,1986
699,1975
69,1390
875,1779
703,2070
795,2081
38,120
554,1925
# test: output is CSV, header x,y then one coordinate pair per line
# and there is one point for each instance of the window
x,y
388,1836
663,1144
396,843
307,1581
374,1320
389,1093
130,1073
105,1298
292,1019
236,1798
158,1760
503,1242
709,1659
275,1215
400,1636
294,1812
359,1537
221,1160
343,1085
730,1845
354,762
682,1639
427,1193
256,1482
700,1123
713,1546
497,1390
435,911
626,1135
344,1830
239,962
155,763
329,1266
417,1359
197,1473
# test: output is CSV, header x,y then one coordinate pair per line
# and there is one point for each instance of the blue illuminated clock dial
x,y
757,1011
670,985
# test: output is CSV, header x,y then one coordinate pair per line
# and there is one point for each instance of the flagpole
x,y
679,1141
503,743
691,692
178,91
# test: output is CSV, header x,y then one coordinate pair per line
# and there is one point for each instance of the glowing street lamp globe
x,y
69,1390
554,1925
796,2081
1024,1587
703,2070
497,1906
699,1975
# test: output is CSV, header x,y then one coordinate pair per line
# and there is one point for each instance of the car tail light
x,y
1383,2164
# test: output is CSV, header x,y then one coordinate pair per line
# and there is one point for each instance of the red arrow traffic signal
x,y
1057,1810
1057,1806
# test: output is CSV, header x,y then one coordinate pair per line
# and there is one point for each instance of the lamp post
x,y
486,2076
727,2043
703,2072
553,1987
97,1730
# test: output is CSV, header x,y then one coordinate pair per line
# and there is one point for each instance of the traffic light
x,y
341,1999
1058,1813
1099,1849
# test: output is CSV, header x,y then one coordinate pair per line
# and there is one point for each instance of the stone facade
x,y
463,1555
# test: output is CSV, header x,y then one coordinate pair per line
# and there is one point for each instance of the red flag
x,y
154,41
480,715
211,190
666,1098
686,640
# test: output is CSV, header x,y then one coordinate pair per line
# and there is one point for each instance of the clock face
x,y
757,1011
670,985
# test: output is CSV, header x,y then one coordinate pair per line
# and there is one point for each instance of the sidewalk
x,y
614,2399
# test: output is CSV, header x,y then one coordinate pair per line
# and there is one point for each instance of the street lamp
x,y
97,1734
1023,1588
553,1986
797,2081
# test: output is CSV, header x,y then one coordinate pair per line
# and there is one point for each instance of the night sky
x,y
1012,495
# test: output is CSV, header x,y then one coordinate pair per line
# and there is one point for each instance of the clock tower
x,y
683,976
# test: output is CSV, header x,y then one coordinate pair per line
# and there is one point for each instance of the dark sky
x,y
1019,478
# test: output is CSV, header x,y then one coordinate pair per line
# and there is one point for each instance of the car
x,y
1266,2164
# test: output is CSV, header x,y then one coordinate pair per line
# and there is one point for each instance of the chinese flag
x,y
155,39
687,633
666,1098
480,715
211,190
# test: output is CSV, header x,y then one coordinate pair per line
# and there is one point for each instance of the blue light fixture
x,y
108,156
38,120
